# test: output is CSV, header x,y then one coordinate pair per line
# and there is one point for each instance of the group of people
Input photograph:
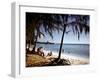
x,y
39,51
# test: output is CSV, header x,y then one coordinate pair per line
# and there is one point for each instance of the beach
x,y
36,60
74,60
50,44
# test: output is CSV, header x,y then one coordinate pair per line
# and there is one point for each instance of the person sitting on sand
x,y
49,54
40,51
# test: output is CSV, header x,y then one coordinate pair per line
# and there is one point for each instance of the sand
x,y
74,60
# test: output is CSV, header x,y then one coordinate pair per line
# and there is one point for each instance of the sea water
x,y
80,50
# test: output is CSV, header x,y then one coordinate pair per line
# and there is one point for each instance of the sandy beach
x,y
34,59
74,60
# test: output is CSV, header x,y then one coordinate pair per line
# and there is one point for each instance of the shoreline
x,y
75,60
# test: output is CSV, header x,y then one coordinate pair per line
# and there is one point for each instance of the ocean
x,y
79,50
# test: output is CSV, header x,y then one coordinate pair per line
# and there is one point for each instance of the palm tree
x,y
35,22
54,22
78,23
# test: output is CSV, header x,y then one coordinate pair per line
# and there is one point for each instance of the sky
x,y
69,38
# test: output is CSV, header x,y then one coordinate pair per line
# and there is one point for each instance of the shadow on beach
x,y
39,58
33,60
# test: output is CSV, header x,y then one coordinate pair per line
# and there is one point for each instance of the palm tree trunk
x,y
61,42
35,44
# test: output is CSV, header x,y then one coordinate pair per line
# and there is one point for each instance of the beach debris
x,y
64,62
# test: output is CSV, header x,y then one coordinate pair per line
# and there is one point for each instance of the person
x,y
62,50
40,51
49,54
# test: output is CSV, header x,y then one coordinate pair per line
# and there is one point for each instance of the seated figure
x,y
40,51
49,54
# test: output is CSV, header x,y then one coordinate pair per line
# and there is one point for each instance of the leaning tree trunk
x,y
61,42
35,44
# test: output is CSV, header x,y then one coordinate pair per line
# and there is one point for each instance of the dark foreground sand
x,y
34,60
